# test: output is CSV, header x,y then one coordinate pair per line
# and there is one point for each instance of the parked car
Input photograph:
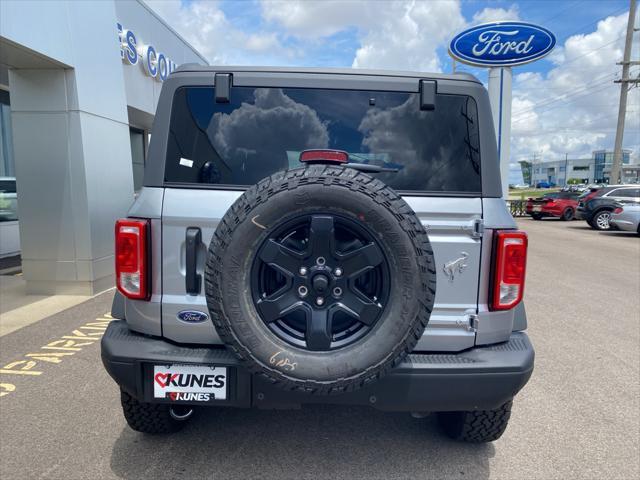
x,y
545,185
596,206
270,262
626,217
557,204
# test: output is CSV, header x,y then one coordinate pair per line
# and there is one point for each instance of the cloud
x,y
255,133
572,109
317,19
496,15
409,35
403,35
439,160
205,25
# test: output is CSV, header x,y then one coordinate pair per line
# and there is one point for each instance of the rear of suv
x,y
320,236
561,205
597,206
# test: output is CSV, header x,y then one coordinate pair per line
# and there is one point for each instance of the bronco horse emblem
x,y
457,265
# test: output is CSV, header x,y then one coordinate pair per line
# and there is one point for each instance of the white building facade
x,y
596,169
80,83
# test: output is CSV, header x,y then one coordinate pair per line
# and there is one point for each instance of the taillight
x,y
509,267
324,156
618,210
132,276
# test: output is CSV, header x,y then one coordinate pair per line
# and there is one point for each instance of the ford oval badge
x,y
502,44
192,316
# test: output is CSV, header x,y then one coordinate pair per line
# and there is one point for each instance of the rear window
x,y
263,130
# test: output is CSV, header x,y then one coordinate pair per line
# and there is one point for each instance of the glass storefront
x,y
8,197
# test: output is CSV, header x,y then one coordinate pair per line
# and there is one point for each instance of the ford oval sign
x,y
192,316
502,44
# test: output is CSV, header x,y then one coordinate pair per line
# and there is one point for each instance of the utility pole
x,y
625,84
566,172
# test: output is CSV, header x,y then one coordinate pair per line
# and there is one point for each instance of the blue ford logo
x,y
502,44
192,316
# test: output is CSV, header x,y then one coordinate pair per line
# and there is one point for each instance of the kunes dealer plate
x,y
194,383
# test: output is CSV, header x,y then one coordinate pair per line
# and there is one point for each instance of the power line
x,y
595,82
572,96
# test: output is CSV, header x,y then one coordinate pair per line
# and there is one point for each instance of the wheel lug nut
x,y
337,291
320,301
302,291
303,270
321,261
338,271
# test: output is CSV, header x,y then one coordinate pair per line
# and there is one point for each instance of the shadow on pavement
x,y
315,442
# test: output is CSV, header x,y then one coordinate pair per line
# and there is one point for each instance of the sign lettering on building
x,y
133,51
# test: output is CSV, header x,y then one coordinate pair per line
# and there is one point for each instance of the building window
x,y
6,144
137,156
580,168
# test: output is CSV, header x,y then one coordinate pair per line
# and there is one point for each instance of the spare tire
x,y
320,279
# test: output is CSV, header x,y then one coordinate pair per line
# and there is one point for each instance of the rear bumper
x,y
582,214
479,378
621,224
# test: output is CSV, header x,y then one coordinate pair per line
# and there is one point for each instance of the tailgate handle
x,y
192,279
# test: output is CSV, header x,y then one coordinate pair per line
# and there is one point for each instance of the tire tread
x,y
330,176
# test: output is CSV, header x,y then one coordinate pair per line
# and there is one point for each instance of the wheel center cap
x,y
320,283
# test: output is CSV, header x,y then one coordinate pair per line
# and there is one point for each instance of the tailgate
x,y
452,224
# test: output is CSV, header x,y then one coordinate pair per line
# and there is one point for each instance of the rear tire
x,y
151,418
477,426
567,215
600,220
536,216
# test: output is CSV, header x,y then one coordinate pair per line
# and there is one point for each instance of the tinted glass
x,y
263,130
568,195
626,192
8,186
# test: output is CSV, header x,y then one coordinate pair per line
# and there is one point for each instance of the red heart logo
x,y
162,379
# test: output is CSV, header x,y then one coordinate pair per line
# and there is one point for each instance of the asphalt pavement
x,y
577,418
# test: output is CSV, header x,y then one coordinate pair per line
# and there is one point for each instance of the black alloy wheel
x,y
320,282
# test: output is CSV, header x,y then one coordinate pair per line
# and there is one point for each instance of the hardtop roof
x,y
193,67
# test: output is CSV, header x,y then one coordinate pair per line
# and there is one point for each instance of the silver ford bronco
x,y
320,236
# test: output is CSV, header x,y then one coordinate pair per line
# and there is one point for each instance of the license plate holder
x,y
189,383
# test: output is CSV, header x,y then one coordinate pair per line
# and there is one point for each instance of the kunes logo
x,y
189,380
502,44
191,397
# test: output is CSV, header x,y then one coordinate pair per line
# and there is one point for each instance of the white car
x,y
626,217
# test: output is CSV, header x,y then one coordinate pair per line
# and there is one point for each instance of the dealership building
x,y
79,84
596,169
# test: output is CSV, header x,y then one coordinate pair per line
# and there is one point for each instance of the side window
x,y
626,193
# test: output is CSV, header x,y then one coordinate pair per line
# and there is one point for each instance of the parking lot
x,y
577,418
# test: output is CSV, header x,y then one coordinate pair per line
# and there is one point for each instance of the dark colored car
x,y
561,205
545,185
597,205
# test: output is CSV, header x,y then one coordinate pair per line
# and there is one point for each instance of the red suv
x,y
557,204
